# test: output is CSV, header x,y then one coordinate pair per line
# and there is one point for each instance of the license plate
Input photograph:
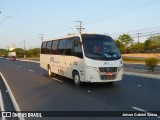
x,y
109,73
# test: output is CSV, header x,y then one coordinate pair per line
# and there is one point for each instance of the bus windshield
x,y
100,47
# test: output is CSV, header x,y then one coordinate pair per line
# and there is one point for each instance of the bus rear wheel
x,y
76,79
49,72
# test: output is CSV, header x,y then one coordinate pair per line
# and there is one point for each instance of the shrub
x,y
151,64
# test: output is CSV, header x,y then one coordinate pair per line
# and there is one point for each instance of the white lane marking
x,y
57,80
11,95
19,66
88,91
139,109
30,70
145,111
1,102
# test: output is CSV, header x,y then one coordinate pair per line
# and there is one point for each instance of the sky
x,y
25,20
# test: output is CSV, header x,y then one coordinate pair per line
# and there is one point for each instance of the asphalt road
x,y
35,91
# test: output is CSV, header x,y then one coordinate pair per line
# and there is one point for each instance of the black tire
x,y
49,72
76,79
110,83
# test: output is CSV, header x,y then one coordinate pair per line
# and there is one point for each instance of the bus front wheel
x,y
76,79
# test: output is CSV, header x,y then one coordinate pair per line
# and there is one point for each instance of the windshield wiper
x,y
112,52
95,53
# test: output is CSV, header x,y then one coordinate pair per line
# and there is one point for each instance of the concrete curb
x,y
29,60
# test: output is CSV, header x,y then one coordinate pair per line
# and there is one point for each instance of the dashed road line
x,y
57,80
139,109
30,70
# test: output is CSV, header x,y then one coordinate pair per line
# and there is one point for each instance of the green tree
x,y
120,45
3,52
137,48
19,52
154,37
153,43
147,45
34,53
126,40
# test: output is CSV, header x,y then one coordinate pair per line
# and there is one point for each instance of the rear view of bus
x,y
83,58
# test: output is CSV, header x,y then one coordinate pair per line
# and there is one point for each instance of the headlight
x,y
92,68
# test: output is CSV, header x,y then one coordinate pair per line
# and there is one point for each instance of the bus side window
x,y
77,50
48,48
61,47
43,48
69,46
54,47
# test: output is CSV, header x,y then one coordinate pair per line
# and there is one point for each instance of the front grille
x,y
103,70
107,69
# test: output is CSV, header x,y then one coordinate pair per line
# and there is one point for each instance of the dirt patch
x,y
143,55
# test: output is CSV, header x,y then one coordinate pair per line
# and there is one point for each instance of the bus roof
x,y
72,35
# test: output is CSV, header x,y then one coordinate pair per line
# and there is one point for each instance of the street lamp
x,y
5,19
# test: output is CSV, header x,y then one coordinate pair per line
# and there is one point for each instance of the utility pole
x,y
24,48
80,28
14,47
41,36
138,36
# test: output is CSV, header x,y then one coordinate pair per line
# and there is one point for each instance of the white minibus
x,y
83,57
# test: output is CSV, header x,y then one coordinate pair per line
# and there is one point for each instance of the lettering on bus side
x,y
75,63
53,61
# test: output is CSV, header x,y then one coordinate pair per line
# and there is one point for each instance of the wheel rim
x,y
76,79
49,72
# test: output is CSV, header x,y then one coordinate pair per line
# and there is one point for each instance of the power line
x,y
144,35
125,10
138,30
108,9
